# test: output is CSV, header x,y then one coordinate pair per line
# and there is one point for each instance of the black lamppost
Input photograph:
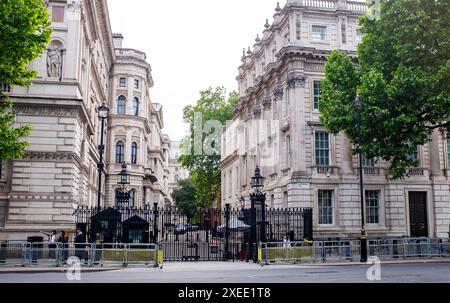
x,y
123,182
103,111
257,197
358,105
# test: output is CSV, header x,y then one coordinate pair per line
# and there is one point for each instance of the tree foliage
x,y
403,79
24,35
185,198
205,173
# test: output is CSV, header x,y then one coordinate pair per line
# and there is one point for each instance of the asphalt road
x,y
216,272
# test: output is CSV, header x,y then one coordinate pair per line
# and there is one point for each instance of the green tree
x,y
185,199
204,168
402,77
24,34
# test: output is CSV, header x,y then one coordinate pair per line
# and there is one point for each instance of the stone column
x,y
435,165
128,146
296,91
347,156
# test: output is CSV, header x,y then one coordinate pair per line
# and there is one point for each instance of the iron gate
x,y
210,235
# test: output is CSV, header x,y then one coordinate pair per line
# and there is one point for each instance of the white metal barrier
x,y
350,250
56,254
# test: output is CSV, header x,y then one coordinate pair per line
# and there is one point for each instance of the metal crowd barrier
x,y
11,252
349,250
275,252
57,254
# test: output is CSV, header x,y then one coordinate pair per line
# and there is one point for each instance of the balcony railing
x,y
371,171
327,170
416,172
5,88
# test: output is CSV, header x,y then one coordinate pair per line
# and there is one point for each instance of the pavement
x,y
213,266
242,272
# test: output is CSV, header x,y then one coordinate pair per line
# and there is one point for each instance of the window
x,y
285,199
372,206
322,149
135,106
58,14
118,201
368,162
131,202
316,92
1,169
134,153
448,152
121,104
120,149
319,33
415,155
359,36
136,84
122,82
325,207
177,178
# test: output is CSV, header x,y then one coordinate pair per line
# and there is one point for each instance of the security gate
x,y
208,235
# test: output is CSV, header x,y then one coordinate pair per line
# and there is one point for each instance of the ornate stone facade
x,y
81,70
313,168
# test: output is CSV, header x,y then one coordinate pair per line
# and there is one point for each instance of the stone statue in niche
x,y
54,62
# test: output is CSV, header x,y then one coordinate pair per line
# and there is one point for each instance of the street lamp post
x,y
123,182
358,105
258,197
103,111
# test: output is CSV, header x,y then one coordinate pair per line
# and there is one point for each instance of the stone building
x,y
279,81
176,171
84,66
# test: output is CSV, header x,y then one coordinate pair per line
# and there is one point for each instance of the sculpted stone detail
x,y
54,62
311,67
257,112
298,26
248,116
278,92
343,21
45,111
267,103
296,79
52,157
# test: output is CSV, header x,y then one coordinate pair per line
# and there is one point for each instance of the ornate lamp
x,y
258,180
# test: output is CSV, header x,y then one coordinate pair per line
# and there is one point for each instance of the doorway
x,y
418,215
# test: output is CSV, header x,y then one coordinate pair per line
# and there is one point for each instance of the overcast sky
x,y
190,44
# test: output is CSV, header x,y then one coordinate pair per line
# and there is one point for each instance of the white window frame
x,y
334,206
327,33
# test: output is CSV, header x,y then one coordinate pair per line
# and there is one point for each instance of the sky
x,y
191,45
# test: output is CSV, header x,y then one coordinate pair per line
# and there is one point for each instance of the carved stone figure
x,y
54,62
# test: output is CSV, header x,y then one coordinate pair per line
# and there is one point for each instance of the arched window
x,y
121,105
132,198
134,153
120,152
136,107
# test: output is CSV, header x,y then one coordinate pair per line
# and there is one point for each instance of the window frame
x,y
120,155
121,105
132,198
316,148
135,106
124,82
314,82
136,84
325,39
330,213
367,199
134,153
